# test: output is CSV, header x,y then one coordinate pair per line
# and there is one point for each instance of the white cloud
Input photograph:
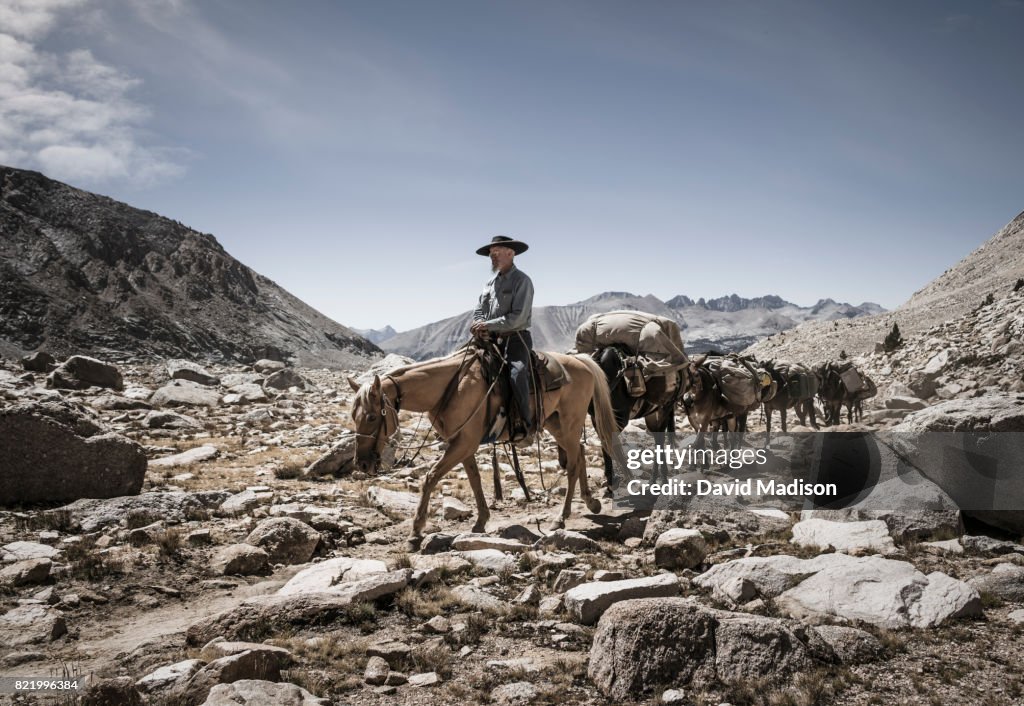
x,y
31,18
70,114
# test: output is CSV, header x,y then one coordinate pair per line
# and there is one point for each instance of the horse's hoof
x,y
480,527
414,543
556,525
594,505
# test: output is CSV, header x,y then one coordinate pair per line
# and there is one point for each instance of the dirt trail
x,y
109,640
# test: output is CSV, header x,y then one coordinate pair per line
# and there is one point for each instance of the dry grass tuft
x,y
432,659
169,543
425,604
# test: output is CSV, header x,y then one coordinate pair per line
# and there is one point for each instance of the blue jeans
x,y
518,345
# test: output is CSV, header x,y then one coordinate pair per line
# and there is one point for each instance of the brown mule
x,y
462,422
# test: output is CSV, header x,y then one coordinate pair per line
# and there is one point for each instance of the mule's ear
x,y
376,384
353,384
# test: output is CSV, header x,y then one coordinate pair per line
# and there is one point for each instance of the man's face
x,y
501,258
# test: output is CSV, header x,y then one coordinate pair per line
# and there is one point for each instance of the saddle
x,y
548,374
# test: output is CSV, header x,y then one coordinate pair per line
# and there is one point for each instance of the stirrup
x,y
523,436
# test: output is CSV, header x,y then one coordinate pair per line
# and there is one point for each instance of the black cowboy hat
x,y
517,245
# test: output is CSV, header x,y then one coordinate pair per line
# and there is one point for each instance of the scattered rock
x,y
194,455
882,592
241,560
174,507
246,501
31,624
165,419
376,672
105,692
322,576
294,610
477,542
851,537
187,370
339,459
23,551
285,539
249,664
423,680
253,692
265,365
52,453
455,509
478,599
850,645
645,645
517,693
566,540
185,393
284,379
80,372
588,602
975,468
393,503
39,362
1006,582
680,548
169,677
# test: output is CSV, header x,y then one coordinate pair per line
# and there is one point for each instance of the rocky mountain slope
x,y
992,269
727,323
83,273
977,354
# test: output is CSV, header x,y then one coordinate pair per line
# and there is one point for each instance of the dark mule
x,y
657,405
853,400
706,408
834,393
797,386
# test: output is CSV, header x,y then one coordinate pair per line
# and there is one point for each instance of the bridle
x,y
388,420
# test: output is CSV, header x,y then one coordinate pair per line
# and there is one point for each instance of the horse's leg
x,y
482,512
592,503
458,450
670,435
768,424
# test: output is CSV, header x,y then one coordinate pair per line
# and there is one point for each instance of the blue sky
x,y
357,153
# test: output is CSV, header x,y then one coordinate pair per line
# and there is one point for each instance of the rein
x,y
386,402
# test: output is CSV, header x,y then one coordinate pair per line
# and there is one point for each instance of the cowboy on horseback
x,y
504,310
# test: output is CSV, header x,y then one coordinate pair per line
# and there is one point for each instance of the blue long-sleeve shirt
x,y
506,304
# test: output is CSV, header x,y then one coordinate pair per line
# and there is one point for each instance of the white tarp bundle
x,y
655,340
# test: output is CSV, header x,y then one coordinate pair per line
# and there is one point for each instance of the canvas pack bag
x,y
736,382
655,340
851,379
801,383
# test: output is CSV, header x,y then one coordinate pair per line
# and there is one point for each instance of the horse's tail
x,y
604,415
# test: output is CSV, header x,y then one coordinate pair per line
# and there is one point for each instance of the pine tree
x,y
894,340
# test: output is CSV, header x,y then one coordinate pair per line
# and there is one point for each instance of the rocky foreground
x,y
212,545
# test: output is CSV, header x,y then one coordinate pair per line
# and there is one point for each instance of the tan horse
x,y
462,422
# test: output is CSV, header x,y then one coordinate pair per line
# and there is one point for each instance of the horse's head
x,y
375,419
693,383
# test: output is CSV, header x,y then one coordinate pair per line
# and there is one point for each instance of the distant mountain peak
x,y
726,323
